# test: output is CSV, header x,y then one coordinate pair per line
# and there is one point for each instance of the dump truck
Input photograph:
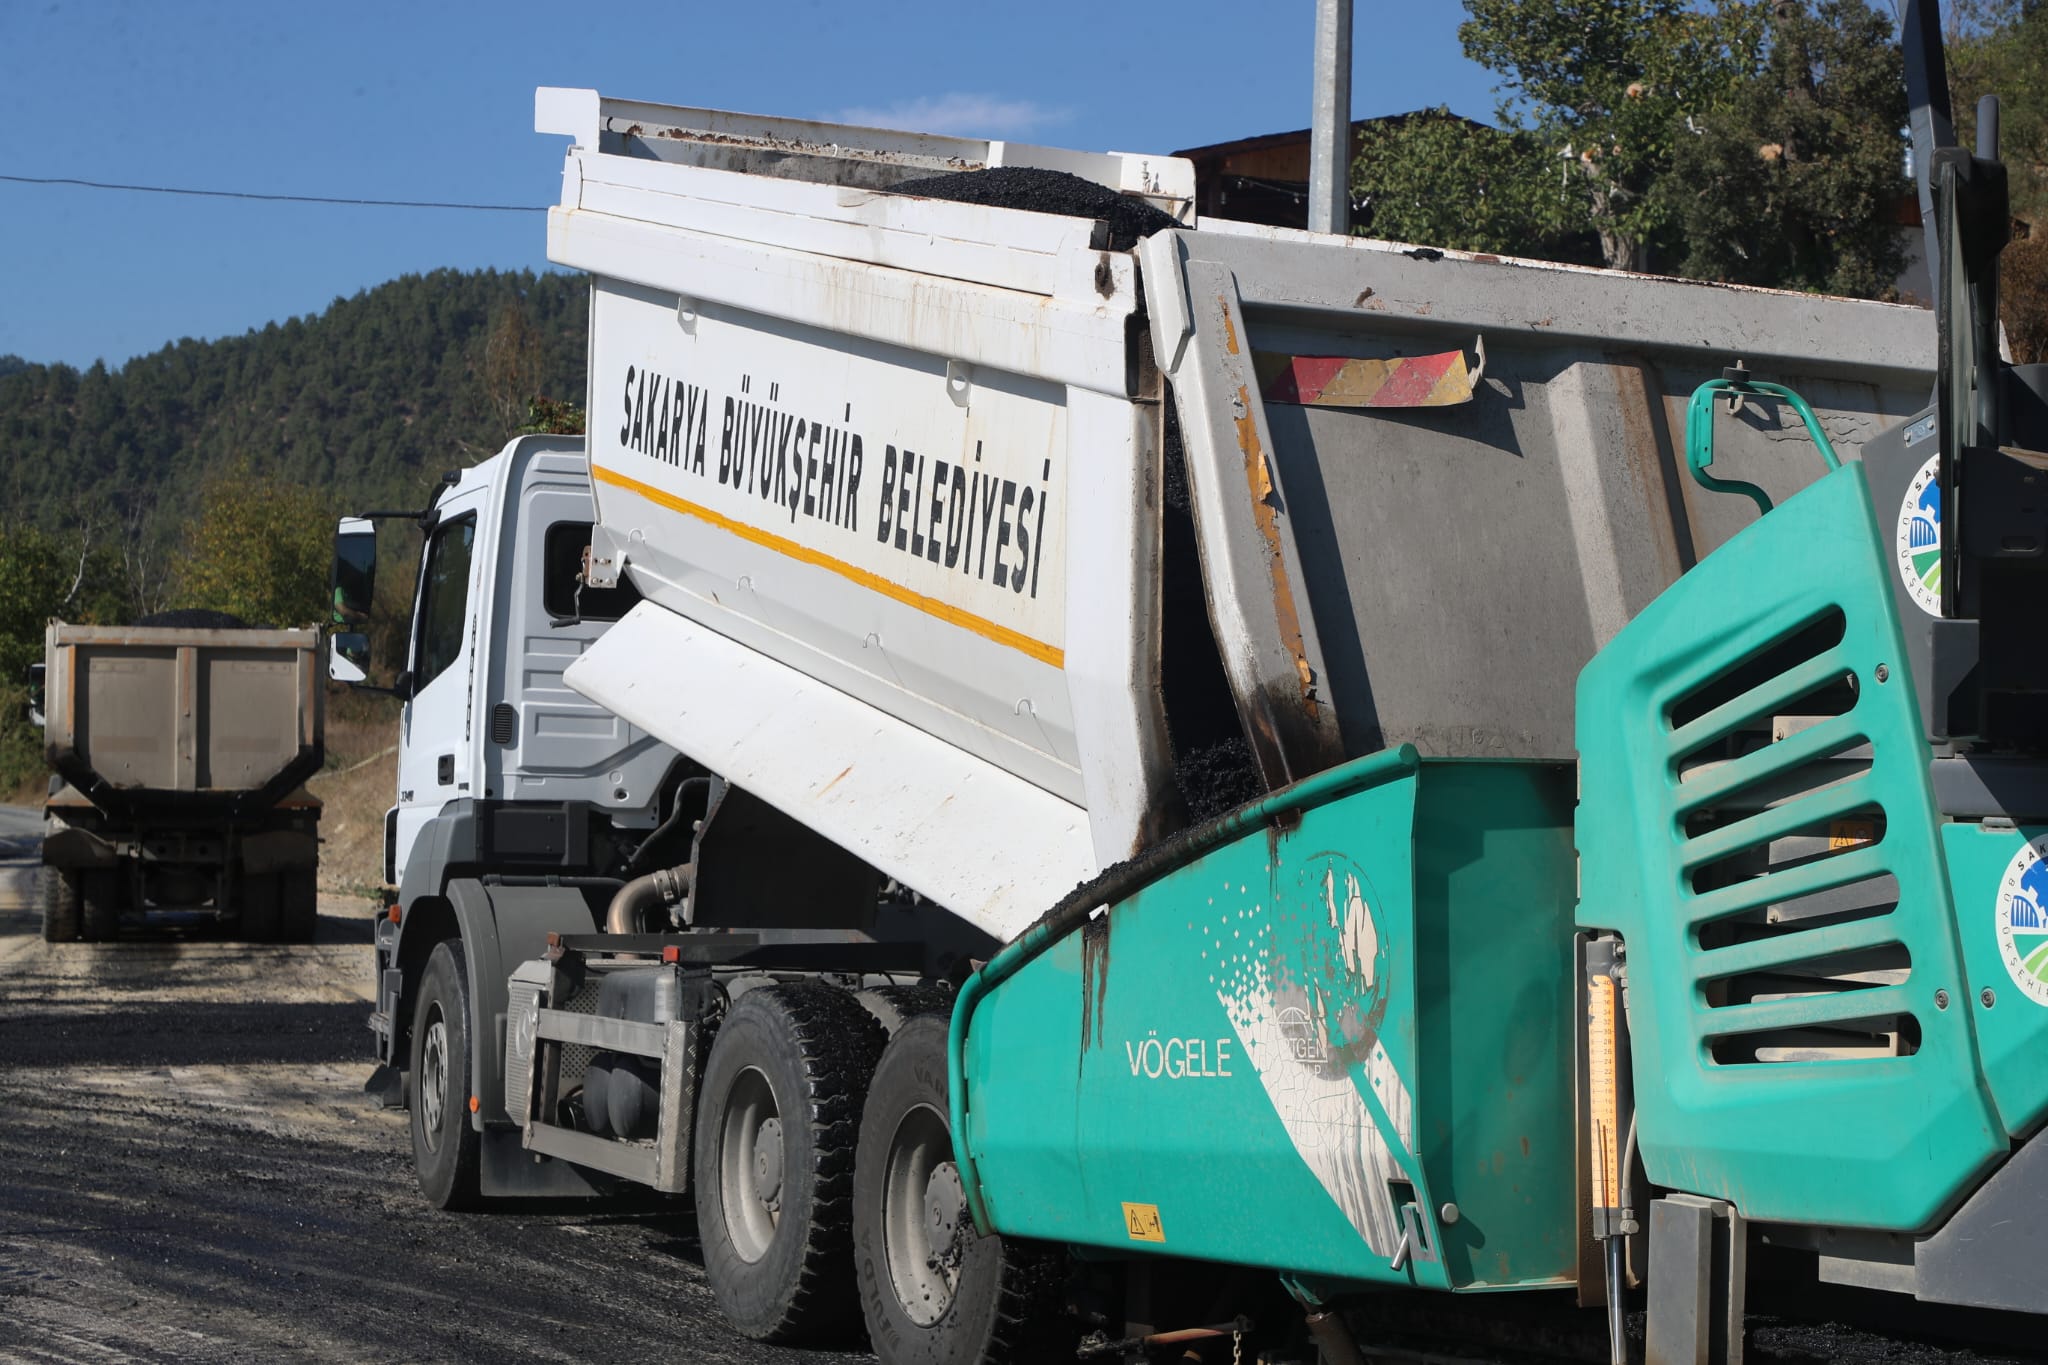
x,y
179,755
1192,767
518,799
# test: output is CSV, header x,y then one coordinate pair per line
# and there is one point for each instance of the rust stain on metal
x,y
1267,518
835,781
1229,328
1363,295
1094,979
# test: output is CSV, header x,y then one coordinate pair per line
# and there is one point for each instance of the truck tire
x,y
894,1006
298,905
933,1290
60,904
778,1117
99,903
259,895
445,1145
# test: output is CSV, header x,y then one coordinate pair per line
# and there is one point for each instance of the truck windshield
x,y
444,599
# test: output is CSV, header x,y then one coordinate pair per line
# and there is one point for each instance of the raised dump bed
x,y
995,544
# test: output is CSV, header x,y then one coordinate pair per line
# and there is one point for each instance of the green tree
x,y
43,574
371,399
262,550
1604,87
1508,199
1638,124
512,365
1792,178
547,417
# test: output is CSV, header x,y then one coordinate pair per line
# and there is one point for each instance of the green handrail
x,y
1699,434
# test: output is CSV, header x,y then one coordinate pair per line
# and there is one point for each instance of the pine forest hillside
x,y
208,474
367,402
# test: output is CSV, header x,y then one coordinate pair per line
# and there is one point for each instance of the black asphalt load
x,y
1042,191
191,1173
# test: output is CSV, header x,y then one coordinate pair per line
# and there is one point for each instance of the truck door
x,y
434,764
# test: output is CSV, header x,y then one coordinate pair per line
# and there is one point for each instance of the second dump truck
x,y
180,755
1055,764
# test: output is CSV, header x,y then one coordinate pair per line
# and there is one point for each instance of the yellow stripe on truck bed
x,y
930,606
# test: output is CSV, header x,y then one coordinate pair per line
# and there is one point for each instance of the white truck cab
x,y
498,614
518,800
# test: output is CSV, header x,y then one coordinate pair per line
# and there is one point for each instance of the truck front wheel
x,y
773,1165
437,1084
60,904
933,1289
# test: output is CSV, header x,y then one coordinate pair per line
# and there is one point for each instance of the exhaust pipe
x,y
657,890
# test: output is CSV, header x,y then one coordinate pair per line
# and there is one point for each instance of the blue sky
x,y
434,101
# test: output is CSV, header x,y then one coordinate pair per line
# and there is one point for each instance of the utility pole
x,y
1329,144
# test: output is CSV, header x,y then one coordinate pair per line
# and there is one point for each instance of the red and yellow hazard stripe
x,y
1336,381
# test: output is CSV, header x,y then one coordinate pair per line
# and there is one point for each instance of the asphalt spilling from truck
x,y
192,1173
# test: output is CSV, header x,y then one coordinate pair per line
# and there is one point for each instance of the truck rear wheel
x,y
934,1290
773,1167
298,905
99,902
259,895
60,904
445,1146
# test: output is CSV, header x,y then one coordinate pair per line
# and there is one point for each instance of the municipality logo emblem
x,y
1919,537
2023,919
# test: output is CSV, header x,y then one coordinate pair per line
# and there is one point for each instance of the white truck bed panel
x,y
994,849
771,314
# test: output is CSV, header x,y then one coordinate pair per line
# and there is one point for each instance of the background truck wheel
x,y
60,905
99,902
437,1084
259,893
933,1290
779,1115
298,905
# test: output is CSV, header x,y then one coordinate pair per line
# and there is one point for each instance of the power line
x,y
274,198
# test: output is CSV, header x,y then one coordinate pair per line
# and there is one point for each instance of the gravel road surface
x,y
191,1173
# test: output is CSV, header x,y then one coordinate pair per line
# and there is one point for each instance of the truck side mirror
x,y
355,572
348,658
35,695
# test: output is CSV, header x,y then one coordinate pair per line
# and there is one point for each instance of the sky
x,y
434,101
